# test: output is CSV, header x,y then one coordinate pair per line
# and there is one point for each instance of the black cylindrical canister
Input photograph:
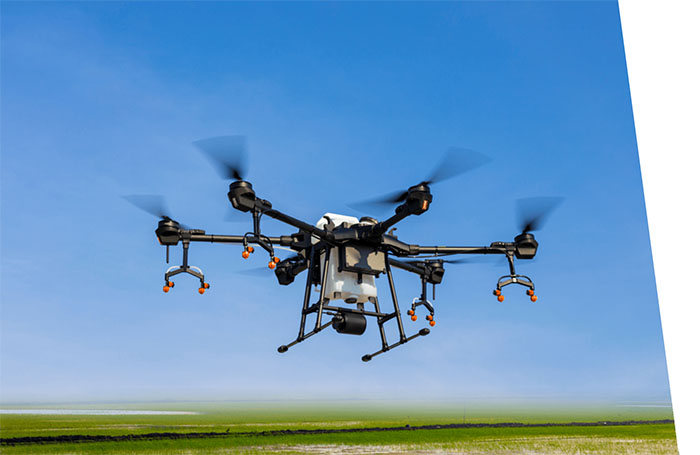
x,y
350,323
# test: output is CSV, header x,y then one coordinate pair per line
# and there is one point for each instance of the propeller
x,y
467,261
470,260
237,217
227,153
455,161
153,204
534,211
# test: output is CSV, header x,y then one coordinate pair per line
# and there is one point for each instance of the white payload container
x,y
344,285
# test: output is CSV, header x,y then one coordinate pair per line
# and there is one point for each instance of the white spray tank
x,y
344,285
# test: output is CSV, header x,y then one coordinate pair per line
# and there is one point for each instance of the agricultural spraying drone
x,y
343,254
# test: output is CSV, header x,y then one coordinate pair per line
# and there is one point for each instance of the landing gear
x,y
348,320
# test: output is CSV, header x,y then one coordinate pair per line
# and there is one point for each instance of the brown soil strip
x,y
155,436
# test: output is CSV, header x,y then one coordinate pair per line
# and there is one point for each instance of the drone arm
x,y
243,198
417,203
407,267
524,247
462,249
402,249
384,226
320,233
284,240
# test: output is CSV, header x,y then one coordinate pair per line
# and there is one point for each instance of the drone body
x,y
342,254
348,279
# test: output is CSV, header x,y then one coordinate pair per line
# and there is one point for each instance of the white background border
x,y
662,45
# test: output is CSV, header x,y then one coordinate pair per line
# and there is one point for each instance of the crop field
x,y
349,427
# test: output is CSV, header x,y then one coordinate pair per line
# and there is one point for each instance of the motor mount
x,y
242,196
436,270
525,246
168,232
418,199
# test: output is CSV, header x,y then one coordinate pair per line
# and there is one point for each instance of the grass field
x,y
252,428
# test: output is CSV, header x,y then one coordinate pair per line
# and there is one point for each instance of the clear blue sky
x,y
340,101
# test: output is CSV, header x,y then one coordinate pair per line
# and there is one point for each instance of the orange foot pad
x,y
501,298
201,290
166,288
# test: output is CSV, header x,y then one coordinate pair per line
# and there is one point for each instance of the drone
x,y
345,255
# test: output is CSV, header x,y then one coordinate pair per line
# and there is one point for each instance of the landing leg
x,y
285,347
316,308
380,322
396,314
421,332
395,300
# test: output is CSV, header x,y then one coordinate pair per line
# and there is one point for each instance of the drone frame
x,y
311,242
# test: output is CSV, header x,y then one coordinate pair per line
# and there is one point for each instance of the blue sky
x,y
340,102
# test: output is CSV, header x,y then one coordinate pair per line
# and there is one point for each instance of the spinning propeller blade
x,y
455,161
534,211
494,260
481,259
153,204
462,261
227,153
149,203
380,203
231,216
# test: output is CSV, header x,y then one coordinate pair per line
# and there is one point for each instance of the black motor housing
x,y
168,232
284,273
525,246
437,271
242,196
350,323
418,199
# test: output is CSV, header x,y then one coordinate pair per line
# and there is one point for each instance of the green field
x,y
246,424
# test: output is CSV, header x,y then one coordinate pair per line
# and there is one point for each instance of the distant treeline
x,y
156,436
